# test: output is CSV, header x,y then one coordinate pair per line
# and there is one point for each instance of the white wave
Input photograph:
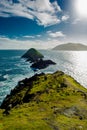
x,y
15,57
8,69
2,84
6,76
18,65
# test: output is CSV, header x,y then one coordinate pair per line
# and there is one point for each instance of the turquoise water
x,y
13,68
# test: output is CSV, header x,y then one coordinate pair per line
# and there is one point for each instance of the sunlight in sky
x,y
81,8
42,23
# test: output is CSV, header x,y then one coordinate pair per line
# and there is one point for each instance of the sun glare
x,y
81,8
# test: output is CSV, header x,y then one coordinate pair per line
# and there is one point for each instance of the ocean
x,y
13,68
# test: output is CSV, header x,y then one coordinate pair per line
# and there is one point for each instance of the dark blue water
x,y
13,68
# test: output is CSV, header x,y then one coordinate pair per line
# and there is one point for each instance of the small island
x,y
36,58
32,55
45,101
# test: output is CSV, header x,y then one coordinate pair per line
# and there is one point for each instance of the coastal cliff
x,y
45,101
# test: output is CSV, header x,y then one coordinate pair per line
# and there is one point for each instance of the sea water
x,y
13,68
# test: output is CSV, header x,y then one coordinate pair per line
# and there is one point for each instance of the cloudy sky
x,y
42,23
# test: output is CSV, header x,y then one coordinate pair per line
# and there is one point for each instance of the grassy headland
x,y
45,102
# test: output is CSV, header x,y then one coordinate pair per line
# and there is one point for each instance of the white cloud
x,y
56,6
9,9
46,19
77,20
56,34
38,35
44,12
31,36
28,36
65,18
7,43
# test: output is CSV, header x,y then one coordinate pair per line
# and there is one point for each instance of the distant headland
x,y
71,47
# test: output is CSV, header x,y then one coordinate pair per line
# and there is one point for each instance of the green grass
x,y
58,103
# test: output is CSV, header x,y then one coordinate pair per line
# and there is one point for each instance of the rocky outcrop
x,y
33,55
36,58
41,64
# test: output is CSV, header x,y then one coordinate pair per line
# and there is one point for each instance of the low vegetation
x,y
45,102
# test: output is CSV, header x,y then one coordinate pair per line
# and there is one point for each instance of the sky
x,y
42,24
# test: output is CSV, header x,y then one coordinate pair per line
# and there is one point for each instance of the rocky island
x,y
45,101
32,55
36,58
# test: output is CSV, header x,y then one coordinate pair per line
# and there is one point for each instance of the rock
x,y
36,58
7,110
71,111
41,64
33,55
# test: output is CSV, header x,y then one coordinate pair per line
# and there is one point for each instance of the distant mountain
x,y
71,47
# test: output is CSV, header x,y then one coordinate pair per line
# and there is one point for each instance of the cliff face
x,y
46,101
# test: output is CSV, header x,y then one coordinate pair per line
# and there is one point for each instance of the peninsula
x,y
45,101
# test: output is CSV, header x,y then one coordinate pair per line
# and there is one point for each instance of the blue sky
x,y
41,23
